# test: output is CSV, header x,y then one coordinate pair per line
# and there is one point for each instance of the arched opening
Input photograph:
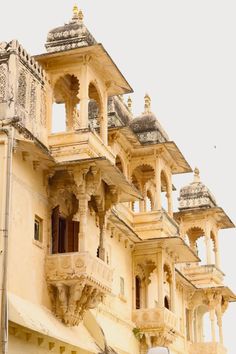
x,y
167,286
119,164
97,120
164,191
137,292
149,202
140,176
158,350
167,302
65,110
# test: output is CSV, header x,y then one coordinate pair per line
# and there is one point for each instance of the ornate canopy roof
x,y
196,195
147,126
70,36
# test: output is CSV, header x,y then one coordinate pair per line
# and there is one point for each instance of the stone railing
x,y
76,282
156,223
160,323
207,348
204,275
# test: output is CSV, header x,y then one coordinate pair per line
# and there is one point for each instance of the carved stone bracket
x,y
77,282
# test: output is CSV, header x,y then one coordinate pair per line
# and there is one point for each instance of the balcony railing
x,y
78,145
207,348
160,322
77,282
204,275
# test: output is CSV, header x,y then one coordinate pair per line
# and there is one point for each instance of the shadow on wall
x,y
159,350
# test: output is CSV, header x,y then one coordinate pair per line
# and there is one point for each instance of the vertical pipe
x,y
4,304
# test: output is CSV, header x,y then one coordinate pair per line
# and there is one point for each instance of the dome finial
x,y
77,14
147,104
196,175
129,103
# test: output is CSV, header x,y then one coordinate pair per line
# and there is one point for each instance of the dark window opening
x,y
38,229
138,292
65,233
166,303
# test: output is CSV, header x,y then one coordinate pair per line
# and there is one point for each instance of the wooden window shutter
x,y
55,229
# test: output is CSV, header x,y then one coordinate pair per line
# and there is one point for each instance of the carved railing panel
x,y
207,348
157,325
77,282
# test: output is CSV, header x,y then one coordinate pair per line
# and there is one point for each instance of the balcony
x,y
159,323
204,275
77,282
207,348
78,145
152,224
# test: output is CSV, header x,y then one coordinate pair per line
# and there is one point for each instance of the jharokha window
x,y
64,233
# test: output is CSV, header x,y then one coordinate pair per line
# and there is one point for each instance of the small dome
x,y
147,126
70,36
196,195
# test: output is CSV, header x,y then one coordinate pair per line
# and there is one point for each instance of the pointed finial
x,y
77,14
147,104
196,175
129,103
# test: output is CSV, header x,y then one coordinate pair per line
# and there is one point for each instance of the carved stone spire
x,y
147,104
129,103
77,14
196,175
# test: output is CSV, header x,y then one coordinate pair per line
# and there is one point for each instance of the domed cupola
x,y
196,195
70,36
147,127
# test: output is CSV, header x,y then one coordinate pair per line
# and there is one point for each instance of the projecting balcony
x,y
154,224
77,282
207,348
78,145
159,323
204,275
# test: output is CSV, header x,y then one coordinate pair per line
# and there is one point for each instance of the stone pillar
x,y
212,319
84,95
208,243
103,121
191,316
219,323
83,211
102,238
216,250
173,291
169,196
158,205
160,277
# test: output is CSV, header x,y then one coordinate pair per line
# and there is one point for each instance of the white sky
x,y
182,52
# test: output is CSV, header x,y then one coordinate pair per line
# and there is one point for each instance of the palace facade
x,y
94,259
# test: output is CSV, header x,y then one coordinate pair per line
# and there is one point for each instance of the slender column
x,y
169,196
173,291
216,250
208,243
160,277
158,184
84,95
219,323
103,121
102,239
191,316
83,209
212,318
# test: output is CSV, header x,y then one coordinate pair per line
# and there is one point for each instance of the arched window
x,y
119,164
65,112
167,302
137,292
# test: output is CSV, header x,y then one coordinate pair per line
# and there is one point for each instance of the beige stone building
x,y
93,257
